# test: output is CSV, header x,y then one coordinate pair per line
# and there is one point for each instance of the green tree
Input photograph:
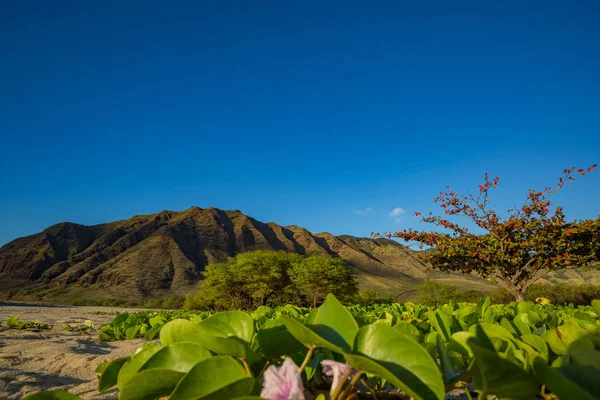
x,y
247,280
257,278
315,276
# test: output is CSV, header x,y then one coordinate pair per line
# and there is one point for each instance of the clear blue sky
x,y
298,112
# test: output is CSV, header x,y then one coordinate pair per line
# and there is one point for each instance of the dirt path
x,y
55,359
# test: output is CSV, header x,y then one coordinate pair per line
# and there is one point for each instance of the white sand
x,y
56,359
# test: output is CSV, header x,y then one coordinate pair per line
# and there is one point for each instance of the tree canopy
x,y
257,278
515,251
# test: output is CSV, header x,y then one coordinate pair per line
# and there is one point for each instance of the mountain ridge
x,y
165,253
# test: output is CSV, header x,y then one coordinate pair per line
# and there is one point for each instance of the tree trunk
x,y
518,292
519,296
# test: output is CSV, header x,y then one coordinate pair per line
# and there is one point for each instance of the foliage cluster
x,y
13,322
433,292
515,251
517,350
260,278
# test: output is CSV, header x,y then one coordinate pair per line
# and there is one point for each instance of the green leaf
x,y
102,366
493,331
230,346
219,377
596,306
230,323
408,329
583,352
151,384
52,395
560,338
448,370
408,363
538,344
110,373
132,332
498,376
441,322
523,307
333,322
561,384
131,367
275,340
306,336
180,356
458,343
173,330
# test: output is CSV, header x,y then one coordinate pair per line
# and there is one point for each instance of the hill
x,y
164,254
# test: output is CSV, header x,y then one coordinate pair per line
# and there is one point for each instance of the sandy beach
x,y
56,359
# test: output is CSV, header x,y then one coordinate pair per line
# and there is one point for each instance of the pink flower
x,y
337,370
283,383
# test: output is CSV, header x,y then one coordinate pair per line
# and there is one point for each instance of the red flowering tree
x,y
514,251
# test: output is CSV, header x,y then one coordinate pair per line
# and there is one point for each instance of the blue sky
x,y
295,112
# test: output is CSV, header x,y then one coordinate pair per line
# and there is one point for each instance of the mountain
x,y
165,253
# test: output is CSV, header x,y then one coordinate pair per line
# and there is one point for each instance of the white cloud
x,y
397,213
363,213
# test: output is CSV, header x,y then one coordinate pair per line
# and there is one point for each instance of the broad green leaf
x,y
483,306
459,343
173,330
131,367
230,323
151,384
583,352
152,332
158,320
219,377
584,376
561,384
333,322
448,370
408,329
132,332
306,336
414,369
493,331
110,373
52,395
467,314
560,338
596,306
537,343
230,346
495,375
275,340
523,307
180,356
441,322
102,366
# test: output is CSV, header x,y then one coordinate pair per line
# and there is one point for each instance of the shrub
x,y
433,292
258,278
369,297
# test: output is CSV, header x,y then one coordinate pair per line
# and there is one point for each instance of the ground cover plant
x,y
14,322
85,327
523,350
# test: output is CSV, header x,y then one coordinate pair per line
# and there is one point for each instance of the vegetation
x,y
260,278
517,350
432,292
129,262
84,327
13,322
516,251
